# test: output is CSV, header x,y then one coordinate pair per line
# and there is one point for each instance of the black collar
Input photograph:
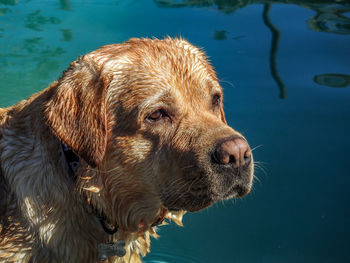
x,y
71,158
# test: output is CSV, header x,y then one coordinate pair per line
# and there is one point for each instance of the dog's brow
x,y
213,87
155,98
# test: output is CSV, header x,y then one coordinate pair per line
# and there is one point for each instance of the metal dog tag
x,y
110,249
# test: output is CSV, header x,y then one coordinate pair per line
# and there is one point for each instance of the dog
x,y
131,136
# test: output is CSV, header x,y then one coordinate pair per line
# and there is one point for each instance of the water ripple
x,y
166,257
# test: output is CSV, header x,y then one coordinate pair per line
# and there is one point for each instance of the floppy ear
x,y
76,111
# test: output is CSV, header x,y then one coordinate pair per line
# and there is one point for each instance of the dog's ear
x,y
76,111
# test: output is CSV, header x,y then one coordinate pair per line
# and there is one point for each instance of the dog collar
x,y
71,158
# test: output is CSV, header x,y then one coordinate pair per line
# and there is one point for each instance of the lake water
x,y
285,69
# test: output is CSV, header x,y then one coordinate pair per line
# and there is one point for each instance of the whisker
x,y
233,201
260,166
257,147
260,162
227,82
252,191
255,178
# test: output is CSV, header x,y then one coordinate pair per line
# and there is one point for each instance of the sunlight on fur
x,y
130,137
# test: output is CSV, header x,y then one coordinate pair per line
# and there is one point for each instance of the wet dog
x,y
130,134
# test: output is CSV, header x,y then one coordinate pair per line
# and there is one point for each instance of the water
x,y
285,68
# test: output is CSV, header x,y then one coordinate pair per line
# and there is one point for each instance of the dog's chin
x,y
193,203
237,191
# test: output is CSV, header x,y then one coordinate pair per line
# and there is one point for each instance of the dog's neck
x,y
104,250
73,161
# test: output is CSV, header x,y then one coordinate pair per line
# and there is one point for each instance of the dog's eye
x,y
216,100
157,115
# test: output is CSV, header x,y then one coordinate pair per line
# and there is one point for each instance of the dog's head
x,y
147,117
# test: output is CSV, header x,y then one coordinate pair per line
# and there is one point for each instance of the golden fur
x,y
138,164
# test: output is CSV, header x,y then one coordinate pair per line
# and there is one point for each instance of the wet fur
x,y
132,172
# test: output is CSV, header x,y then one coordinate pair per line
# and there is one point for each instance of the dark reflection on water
x,y
276,36
220,34
333,80
36,20
67,35
8,2
65,5
4,11
330,18
229,6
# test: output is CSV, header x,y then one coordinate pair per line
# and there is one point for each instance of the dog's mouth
x,y
193,203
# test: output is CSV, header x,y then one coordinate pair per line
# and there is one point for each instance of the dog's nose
x,y
234,151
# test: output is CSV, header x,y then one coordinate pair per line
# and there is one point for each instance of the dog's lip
x,y
238,191
235,191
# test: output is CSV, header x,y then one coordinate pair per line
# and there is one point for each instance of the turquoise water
x,y
285,68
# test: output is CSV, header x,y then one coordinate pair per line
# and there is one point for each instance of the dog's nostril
x,y
248,157
233,151
232,159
